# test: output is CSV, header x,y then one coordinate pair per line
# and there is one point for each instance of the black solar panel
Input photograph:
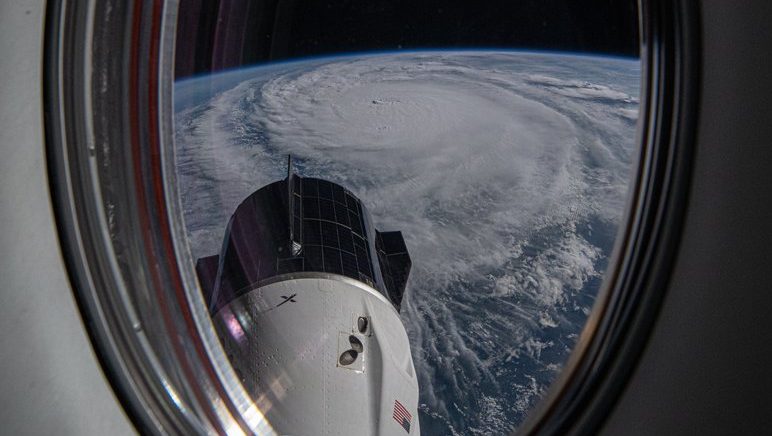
x,y
328,234
311,207
296,185
310,188
296,207
312,234
339,194
341,214
350,267
267,269
291,265
313,258
326,210
360,243
394,262
325,189
297,227
363,262
332,262
356,223
346,239
351,202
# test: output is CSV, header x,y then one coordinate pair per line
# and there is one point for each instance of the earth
x,y
507,173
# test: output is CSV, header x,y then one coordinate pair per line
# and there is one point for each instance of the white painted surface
x,y
50,380
287,356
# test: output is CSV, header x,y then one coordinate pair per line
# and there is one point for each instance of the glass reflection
x,y
506,174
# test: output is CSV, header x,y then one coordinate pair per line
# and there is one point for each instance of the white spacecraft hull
x,y
287,339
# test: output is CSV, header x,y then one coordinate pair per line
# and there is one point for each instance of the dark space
x,y
215,35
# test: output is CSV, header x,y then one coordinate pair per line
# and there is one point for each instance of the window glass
x,y
467,162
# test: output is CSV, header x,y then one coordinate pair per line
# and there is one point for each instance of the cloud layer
x,y
506,172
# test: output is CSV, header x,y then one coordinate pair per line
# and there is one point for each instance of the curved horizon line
x,y
369,53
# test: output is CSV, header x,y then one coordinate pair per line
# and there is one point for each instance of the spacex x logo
x,y
402,416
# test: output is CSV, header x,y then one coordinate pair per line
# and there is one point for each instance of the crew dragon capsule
x,y
305,295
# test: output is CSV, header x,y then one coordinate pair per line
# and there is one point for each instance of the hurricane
x,y
507,173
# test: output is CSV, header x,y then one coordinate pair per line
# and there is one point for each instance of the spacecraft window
x,y
485,181
501,150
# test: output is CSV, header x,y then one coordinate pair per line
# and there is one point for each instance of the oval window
x,y
467,165
289,218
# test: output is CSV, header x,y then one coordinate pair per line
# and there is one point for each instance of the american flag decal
x,y
402,416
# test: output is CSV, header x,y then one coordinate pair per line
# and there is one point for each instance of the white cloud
x,y
488,164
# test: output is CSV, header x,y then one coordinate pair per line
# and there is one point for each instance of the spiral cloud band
x,y
505,171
